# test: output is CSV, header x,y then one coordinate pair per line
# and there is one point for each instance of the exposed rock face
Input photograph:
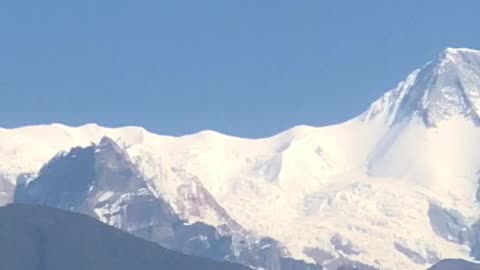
x,y
337,262
475,240
6,190
446,87
102,182
449,224
343,246
415,256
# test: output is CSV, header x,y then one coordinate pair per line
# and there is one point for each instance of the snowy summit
x,y
394,188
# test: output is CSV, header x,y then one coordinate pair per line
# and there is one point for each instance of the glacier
x,y
362,190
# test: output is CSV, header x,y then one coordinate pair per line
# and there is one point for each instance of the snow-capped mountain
x,y
446,87
394,188
101,181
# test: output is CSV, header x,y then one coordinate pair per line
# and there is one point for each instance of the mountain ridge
x,y
364,182
41,238
102,182
436,91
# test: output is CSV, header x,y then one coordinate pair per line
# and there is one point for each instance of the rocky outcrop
x,y
6,190
101,181
449,224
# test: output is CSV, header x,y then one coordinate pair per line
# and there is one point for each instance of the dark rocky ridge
x,y
44,238
453,264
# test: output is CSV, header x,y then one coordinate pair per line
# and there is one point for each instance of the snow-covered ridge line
x,y
363,189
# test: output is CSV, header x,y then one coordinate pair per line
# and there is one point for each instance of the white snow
x,y
106,196
369,180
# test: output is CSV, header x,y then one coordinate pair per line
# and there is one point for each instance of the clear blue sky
x,y
248,68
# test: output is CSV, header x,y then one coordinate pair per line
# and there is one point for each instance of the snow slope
x,y
361,189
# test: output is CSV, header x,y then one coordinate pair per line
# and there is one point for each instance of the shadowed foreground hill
x,y
42,238
454,264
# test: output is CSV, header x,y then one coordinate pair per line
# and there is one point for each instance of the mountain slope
x,y
101,181
394,188
41,238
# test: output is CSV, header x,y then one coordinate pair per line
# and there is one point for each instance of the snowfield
x,y
361,189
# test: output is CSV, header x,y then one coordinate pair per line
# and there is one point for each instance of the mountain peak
x,y
459,51
459,56
442,89
107,142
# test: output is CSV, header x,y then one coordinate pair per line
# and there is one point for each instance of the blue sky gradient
x,y
247,68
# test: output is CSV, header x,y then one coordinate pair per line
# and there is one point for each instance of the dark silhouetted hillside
x,y
455,264
43,238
